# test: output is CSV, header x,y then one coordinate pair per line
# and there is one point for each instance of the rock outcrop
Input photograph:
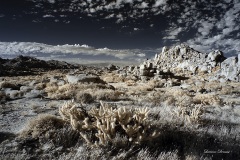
x,y
230,69
184,59
24,65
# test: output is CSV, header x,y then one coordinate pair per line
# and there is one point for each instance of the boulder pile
x,y
183,59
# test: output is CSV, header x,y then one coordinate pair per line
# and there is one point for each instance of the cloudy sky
x,y
122,25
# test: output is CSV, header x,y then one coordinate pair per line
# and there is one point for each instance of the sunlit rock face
x,y
230,69
184,59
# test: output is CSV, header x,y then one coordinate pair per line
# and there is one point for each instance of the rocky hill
x,y
184,60
25,65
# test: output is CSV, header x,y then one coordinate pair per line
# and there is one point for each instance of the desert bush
x,y
226,90
98,127
112,78
130,83
51,89
156,83
105,94
64,96
41,125
49,130
157,98
80,90
207,99
40,86
6,84
83,97
170,100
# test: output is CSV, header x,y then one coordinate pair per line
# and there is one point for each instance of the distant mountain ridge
x,y
25,65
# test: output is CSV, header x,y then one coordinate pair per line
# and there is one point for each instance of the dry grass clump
x,y
155,83
156,98
226,90
207,99
5,84
82,92
41,125
40,86
105,94
69,91
213,86
51,88
48,131
112,78
168,97
99,127
139,89
83,97
130,83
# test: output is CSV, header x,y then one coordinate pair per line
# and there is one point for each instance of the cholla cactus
x,y
100,126
188,114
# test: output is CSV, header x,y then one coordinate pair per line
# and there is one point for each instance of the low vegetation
x,y
125,118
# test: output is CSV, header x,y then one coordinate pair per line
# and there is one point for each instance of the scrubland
x,y
121,117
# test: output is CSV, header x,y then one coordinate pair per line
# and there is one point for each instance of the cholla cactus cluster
x,y
188,114
99,126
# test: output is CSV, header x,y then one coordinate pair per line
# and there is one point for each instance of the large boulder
x,y
230,69
215,56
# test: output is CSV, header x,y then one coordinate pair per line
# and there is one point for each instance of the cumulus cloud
x,y
143,5
160,3
211,27
44,50
205,23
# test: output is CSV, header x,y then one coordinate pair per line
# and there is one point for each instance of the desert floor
x,y
111,114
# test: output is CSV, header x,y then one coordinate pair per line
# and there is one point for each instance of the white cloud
x,y
110,16
205,28
51,1
136,29
160,3
92,10
48,16
143,5
44,50
173,33
2,15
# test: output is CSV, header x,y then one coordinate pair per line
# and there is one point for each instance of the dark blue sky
x,y
123,24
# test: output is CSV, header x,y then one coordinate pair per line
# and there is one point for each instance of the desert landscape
x,y
181,104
